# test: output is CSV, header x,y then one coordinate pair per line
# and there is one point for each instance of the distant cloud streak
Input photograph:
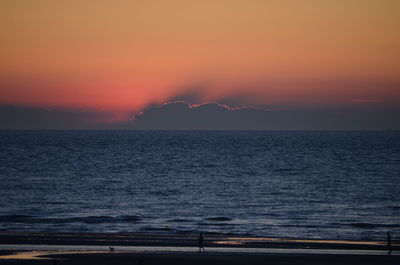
x,y
31,118
361,100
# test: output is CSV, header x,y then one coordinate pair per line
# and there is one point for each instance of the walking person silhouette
x,y
201,242
389,242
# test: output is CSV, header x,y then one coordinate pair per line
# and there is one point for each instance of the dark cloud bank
x,y
28,118
180,116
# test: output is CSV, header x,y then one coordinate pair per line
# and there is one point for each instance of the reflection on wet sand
x,y
283,240
26,255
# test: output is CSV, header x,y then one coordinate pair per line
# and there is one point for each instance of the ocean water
x,y
331,185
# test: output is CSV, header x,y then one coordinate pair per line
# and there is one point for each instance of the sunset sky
x,y
123,56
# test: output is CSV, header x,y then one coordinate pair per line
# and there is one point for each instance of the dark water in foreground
x,y
285,184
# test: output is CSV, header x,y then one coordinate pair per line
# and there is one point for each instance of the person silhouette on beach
x,y
389,242
201,242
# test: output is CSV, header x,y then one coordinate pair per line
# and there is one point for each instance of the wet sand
x,y
69,248
136,239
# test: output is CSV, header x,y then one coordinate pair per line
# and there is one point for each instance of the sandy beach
x,y
69,248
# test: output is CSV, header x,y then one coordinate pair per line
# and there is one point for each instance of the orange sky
x,y
125,55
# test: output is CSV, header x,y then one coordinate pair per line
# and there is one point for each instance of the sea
x,y
296,184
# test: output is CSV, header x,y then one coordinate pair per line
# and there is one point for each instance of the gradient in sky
x,y
123,56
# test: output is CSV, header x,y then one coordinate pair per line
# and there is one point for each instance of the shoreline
x,y
174,240
81,248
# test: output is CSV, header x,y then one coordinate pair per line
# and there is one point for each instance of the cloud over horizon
x,y
181,115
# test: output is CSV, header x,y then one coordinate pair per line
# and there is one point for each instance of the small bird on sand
x,y
111,248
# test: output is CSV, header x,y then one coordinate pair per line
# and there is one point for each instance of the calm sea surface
x,y
285,184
